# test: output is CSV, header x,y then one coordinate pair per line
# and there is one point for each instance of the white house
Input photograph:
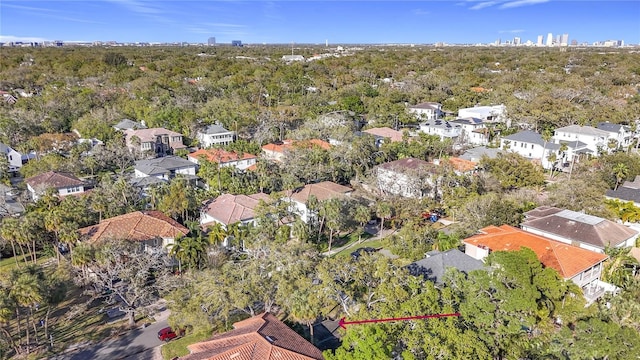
x,y
530,145
595,139
229,209
214,135
442,128
15,158
63,183
473,131
427,110
622,134
322,191
224,158
490,114
408,177
578,229
165,168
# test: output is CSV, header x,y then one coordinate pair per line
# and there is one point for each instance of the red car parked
x,y
166,334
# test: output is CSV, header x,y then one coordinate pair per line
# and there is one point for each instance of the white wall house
x,y
214,135
490,114
426,111
63,183
224,158
622,134
442,128
473,131
322,191
594,139
408,177
530,145
15,158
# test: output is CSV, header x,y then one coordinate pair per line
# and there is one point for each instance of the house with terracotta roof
x,y
408,177
460,166
578,229
229,209
156,141
322,191
277,151
262,337
426,110
149,228
63,183
579,265
224,158
385,134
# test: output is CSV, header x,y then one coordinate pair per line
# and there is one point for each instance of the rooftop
x,y
220,155
214,129
385,132
434,266
135,226
229,209
53,179
567,260
262,337
583,130
290,144
324,190
162,165
532,137
407,164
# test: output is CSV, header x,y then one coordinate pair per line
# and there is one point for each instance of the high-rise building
x,y
564,40
549,39
236,43
211,41
540,43
516,41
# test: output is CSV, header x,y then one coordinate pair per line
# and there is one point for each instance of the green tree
x,y
513,170
620,171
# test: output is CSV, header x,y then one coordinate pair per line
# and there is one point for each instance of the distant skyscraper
x,y
564,40
549,39
516,41
540,43
236,43
212,41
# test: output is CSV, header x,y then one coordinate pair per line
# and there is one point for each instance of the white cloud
x,y
518,3
483,5
12,38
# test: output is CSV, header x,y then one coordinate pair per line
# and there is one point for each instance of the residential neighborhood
x,y
204,203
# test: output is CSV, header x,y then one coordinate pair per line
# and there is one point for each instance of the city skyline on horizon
x,y
318,22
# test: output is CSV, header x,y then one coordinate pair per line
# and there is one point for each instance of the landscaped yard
x,y
178,347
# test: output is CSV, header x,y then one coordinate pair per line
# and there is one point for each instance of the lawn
x,y
178,347
376,244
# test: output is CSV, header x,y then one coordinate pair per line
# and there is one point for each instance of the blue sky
x,y
356,21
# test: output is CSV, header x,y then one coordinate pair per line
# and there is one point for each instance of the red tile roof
x,y
385,132
322,191
219,155
261,337
229,209
135,226
53,179
461,165
567,260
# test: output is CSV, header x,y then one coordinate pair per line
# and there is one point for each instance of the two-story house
x,y
426,110
408,177
490,114
15,158
224,158
473,131
578,229
165,168
595,140
229,209
63,183
530,145
214,135
322,191
622,134
579,265
442,128
157,141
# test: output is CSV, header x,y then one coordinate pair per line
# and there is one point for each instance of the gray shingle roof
x,y
614,128
629,191
468,120
531,137
214,129
129,124
162,165
476,153
585,130
433,267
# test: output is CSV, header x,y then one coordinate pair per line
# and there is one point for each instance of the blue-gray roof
x,y
477,153
433,267
440,124
162,165
469,121
214,129
129,124
607,126
532,137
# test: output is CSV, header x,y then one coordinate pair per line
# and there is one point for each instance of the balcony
x,y
596,289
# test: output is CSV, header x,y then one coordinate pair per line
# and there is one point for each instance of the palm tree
x,y
620,171
82,257
383,211
217,234
302,310
26,290
362,215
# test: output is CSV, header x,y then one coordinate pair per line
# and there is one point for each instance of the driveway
x,y
139,343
